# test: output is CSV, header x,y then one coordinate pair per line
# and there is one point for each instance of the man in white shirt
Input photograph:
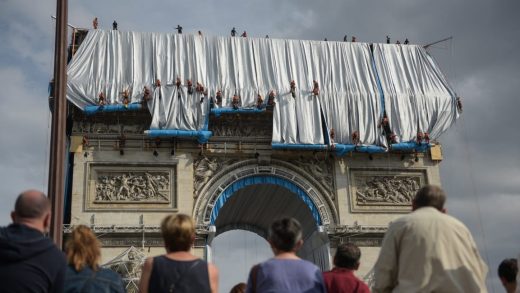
x,y
429,251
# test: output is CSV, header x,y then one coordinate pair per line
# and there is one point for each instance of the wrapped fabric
x,y
417,96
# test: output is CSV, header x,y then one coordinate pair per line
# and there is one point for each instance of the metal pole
x,y
439,41
56,186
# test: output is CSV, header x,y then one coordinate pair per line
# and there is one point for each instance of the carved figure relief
x,y
245,131
205,168
85,127
133,187
387,190
320,170
235,127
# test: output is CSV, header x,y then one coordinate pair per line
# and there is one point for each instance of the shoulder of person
x,y
105,272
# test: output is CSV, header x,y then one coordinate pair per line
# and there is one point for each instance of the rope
x,y
469,171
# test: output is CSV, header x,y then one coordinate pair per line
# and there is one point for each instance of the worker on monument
x,y
419,138
332,136
459,104
271,99
190,86
259,101
406,42
353,39
146,94
199,88
204,95
345,38
398,42
219,98
393,138
293,88
233,32
179,29
114,25
235,102
95,23
355,138
316,88
244,34
387,39
101,99
126,98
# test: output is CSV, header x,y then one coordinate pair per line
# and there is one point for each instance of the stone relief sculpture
x,y
245,131
388,190
233,126
206,168
321,170
104,128
133,187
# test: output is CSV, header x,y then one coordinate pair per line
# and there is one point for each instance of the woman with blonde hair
x,y
83,273
178,270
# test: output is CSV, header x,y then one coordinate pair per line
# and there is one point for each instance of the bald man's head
x,y
31,204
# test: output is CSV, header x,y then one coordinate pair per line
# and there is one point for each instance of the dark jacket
x,y
29,262
87,281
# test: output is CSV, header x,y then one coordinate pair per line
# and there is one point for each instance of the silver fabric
x,y
418,97
416,94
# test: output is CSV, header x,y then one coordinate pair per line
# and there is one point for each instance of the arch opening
x,y
235,252
261,180
253,203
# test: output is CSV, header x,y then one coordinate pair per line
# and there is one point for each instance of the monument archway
x,y
248,196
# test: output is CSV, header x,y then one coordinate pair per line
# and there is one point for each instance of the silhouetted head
x,y
33,209
347,256
239,288
507,271
429,196
285,235
83,249
178,232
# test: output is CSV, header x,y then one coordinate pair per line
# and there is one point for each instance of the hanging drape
x,y
356,85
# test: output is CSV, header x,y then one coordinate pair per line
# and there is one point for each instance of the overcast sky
x,y
480,171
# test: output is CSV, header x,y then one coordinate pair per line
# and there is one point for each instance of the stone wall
x,y
125,183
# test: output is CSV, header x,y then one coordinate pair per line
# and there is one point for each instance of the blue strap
x,y
263,179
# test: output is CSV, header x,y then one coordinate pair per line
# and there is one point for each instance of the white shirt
x,y
429,251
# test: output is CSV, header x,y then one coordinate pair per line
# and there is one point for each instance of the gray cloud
x,y
481,157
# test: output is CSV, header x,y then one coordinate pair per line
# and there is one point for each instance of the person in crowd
x,y
29,261
178,270
507,271
83,273
286,272
239,288
341,278
429,251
